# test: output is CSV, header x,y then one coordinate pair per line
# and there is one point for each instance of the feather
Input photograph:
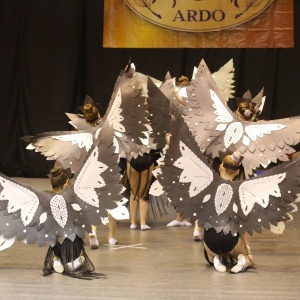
x,y
224,79
120,212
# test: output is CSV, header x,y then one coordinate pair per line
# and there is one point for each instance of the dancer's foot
x,y
186,223
93,240
175,223
218,264
77,263
241,264
133,226
145,227
57,265
112,241
197,235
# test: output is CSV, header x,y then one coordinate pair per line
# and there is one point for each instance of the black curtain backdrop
x,y
51,56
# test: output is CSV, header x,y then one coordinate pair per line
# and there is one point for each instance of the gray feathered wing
x,y
69,147
224,79
31,215
127,115
127,112
78,122
242,206
216,128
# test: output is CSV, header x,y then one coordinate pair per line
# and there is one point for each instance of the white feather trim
x,y
258,191
194,170
89,178
19,198
83,140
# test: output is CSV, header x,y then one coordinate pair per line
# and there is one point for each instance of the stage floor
x,y
162,263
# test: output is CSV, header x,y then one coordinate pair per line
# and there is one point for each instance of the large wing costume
x,y
126,113
128,102
69,147
31,215
216,127
223,79
265,201
162,98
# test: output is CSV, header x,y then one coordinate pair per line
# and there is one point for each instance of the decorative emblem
x,y
198,15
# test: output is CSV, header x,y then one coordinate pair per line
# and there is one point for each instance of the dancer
x,y
262,145
139,174
142,162
225,250
161,108
71,147
30,215
140,159
247,110
215,127
228,210
66,255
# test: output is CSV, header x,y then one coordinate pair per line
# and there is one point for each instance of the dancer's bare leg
x,y
133,209
94,228
179,217
146,177
133,177
197,234
144,204
139,185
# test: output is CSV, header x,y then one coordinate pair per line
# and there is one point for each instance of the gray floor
x,y
162,263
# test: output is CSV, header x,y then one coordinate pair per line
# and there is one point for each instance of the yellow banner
x,y
198,24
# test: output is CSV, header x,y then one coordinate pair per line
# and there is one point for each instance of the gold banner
x,y
198,24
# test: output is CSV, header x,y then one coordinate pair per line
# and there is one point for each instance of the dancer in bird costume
x,y
216,128
227,210
33,216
